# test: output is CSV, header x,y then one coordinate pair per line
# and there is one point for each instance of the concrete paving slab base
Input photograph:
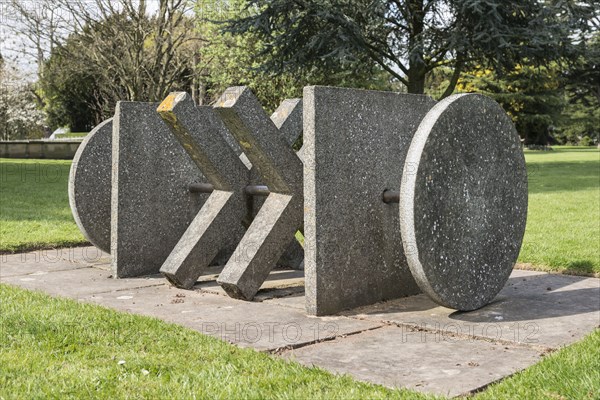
x,y
410,342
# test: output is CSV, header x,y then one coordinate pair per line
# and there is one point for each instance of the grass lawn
x,y
563,226
571,373
34,205
59,348
72,135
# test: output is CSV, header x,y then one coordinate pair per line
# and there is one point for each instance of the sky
x,y
13,43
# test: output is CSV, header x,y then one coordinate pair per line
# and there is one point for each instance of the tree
x,y
20,116
122,49
532,96
231,60
72,92
581,119
37,27
142,55
411,38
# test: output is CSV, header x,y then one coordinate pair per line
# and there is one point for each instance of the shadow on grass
x,y
580,267
562,176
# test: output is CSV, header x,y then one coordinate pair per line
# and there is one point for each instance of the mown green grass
x,y
571,373
34,205
59,348
71,135
563,222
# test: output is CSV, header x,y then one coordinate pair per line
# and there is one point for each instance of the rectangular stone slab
x,y
262,326
79,283
355,142
535,308
151,205
397,357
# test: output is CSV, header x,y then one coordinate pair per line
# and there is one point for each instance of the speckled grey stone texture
x,y
220,224
355,142
463,203
288,119
151,203
202,134
89,185
280,216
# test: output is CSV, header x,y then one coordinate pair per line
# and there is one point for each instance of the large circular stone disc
x,y
90,183
463,201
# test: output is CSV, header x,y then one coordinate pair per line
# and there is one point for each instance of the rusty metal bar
x,y
391,196
251,190
201,188
257,190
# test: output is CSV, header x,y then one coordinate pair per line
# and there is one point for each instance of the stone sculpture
x,y
397,194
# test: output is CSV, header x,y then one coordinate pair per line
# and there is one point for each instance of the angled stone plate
x,y
89,185
226,212
280,216
203,136
463,201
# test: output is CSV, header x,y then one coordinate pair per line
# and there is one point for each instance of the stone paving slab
x,y
423,361
78,283
295,300
51,260
248,324
534,308
410,342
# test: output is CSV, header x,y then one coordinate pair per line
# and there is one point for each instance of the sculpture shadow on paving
x,y
533,307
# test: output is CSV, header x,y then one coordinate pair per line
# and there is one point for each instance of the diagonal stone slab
x,y
280,216
202,135
219,224
151,203
288,119
260,139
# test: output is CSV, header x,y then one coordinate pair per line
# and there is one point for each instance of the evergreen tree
x,y
411,38
531,95
232,60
